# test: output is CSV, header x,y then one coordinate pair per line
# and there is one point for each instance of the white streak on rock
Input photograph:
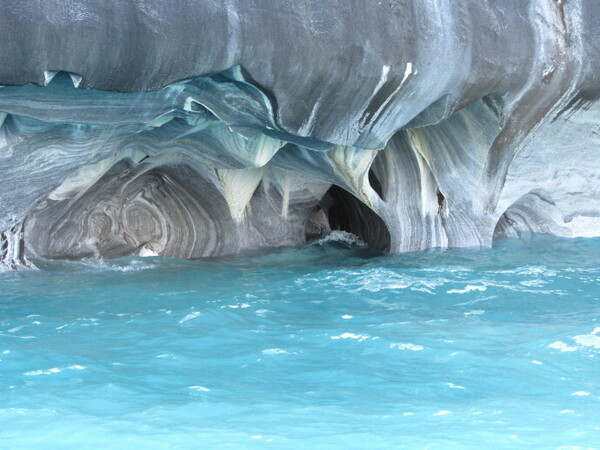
x,y
238,187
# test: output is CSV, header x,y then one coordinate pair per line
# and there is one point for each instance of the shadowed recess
x,y
346,213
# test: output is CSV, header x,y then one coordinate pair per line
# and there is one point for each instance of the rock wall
x,y
207,128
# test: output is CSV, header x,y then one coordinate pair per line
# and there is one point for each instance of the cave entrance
x,y
340,210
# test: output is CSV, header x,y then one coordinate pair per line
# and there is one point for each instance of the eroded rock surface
x,y
209,128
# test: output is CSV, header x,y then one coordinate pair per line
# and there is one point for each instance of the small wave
x,y
563,347
191,316
132,265
340,237
412,347
274,351
243,305
468,288
589,340
358,337
53,370
125,265
199,388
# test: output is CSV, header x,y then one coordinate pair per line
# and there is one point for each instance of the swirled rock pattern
x,y
209,128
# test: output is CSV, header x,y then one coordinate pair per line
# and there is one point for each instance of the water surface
x,y
326,346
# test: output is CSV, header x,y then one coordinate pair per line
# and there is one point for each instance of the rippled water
x,y
320,347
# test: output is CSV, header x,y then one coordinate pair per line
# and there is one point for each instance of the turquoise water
x,y
320,347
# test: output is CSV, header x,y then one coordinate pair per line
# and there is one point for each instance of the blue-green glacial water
x,y
320,347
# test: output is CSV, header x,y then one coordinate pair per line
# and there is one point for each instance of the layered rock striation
x,y
194,129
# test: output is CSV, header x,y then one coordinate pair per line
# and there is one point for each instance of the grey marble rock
x,y
205,128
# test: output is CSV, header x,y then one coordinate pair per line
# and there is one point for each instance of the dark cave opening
x,y
441,201
340,210
375,183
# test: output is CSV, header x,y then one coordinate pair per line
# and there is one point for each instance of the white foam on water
x,y
580,394
468,288
53,370
560,345
533,283
589,340
190,316
346,316
83,322
476,312
376,280
115,266
172,293
199,388
243,305
340,237
535,270
359,337
454,386
412,347
274,351
34,373
539,363
443,413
